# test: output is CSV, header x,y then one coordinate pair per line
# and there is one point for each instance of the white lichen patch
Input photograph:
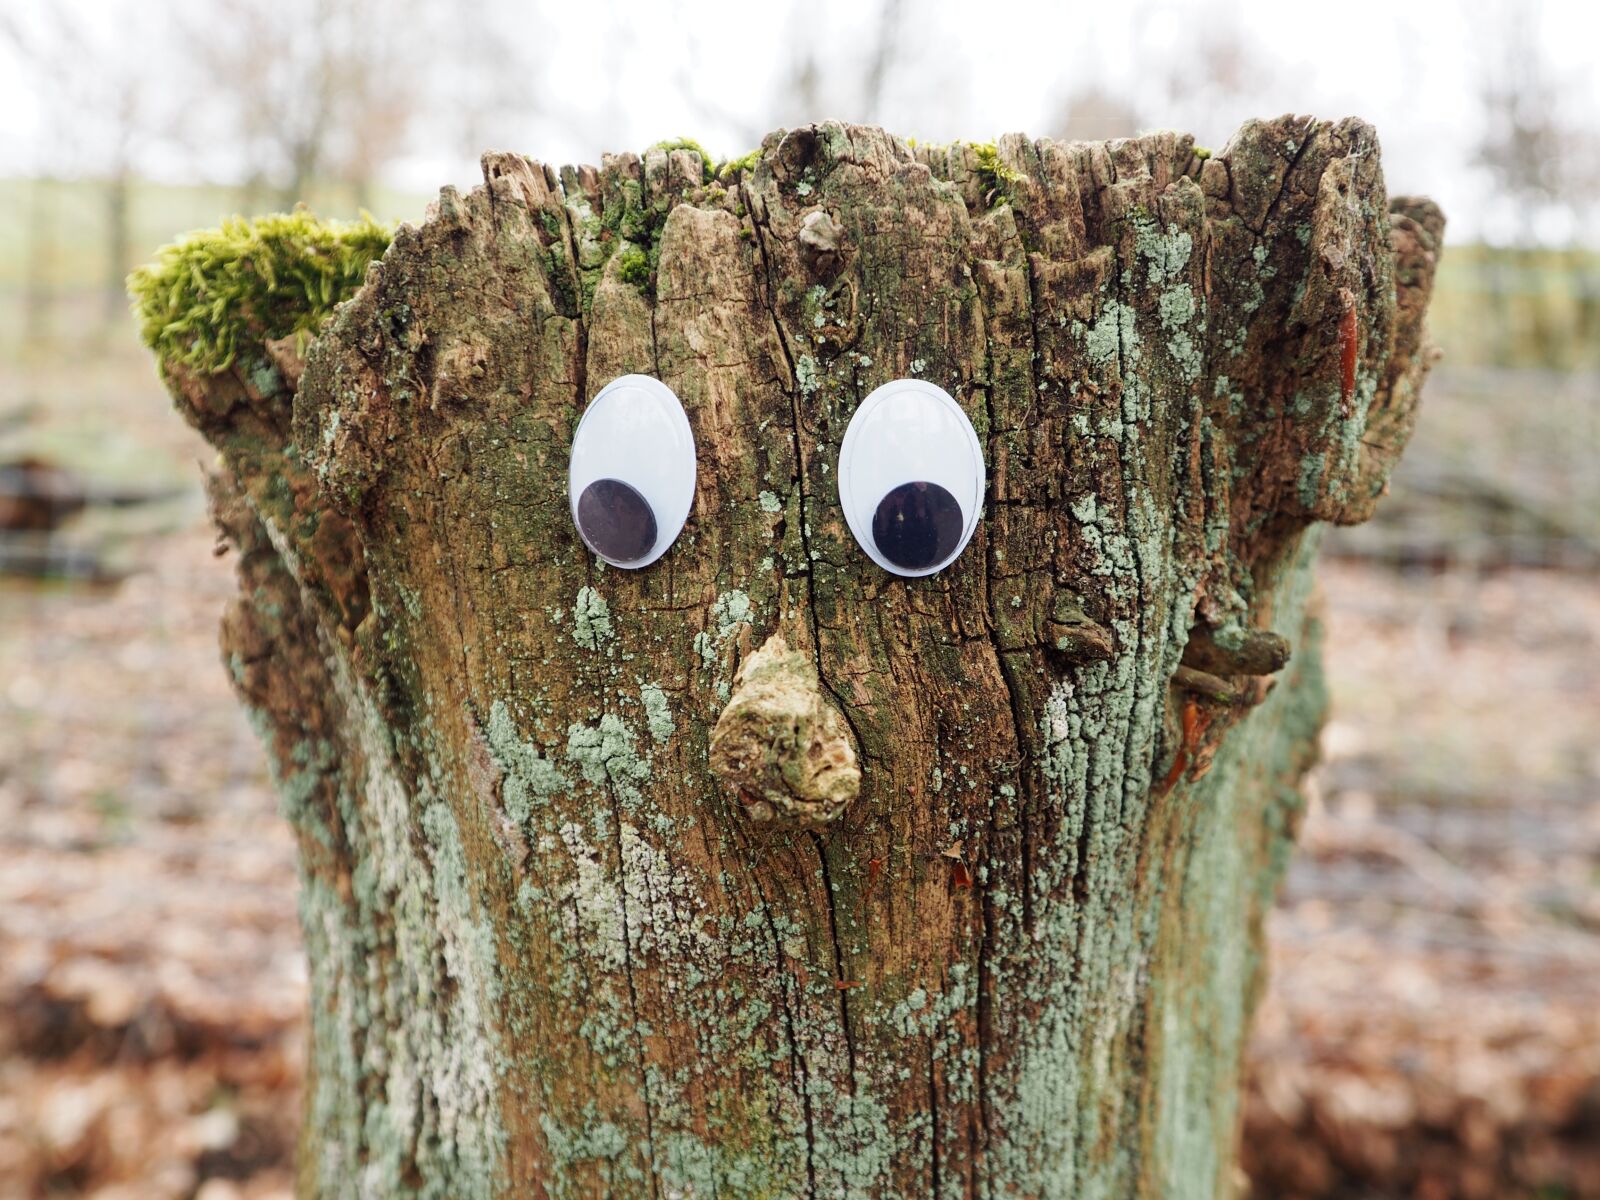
x,y
409,928
596,920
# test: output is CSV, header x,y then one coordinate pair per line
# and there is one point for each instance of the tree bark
x,y
553,952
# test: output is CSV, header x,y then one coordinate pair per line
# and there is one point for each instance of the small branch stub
x,y
1073,636
1236,651
784,752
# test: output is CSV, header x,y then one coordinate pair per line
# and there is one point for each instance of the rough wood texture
x,y
551,953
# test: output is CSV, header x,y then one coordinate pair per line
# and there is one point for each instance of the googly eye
x,y
631,478
911,477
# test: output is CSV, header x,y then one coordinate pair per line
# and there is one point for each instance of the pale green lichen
x,y
1177,308
300,789
657,713
591,619
1308,486
530,779
1166,253
729,610
605,754
805,371
770,502
1112,330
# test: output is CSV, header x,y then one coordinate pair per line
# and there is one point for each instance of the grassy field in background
x,y
58,232
1515,405
158,213
1499,307
1493,307
76,387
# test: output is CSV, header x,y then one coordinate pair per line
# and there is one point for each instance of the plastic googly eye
x,y
632,473
911,477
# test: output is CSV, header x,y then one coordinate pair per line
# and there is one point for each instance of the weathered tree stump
x,y
552,952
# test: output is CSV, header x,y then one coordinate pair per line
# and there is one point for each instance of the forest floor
x,y
1430,1028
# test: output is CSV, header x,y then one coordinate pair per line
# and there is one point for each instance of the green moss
x,y
637,226
706,173
633,266
594,239
997,178
736,166
215,291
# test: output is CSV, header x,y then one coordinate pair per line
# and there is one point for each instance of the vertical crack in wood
x,y
1026,778
1312,131
769,295
797,1059
602,692
819,844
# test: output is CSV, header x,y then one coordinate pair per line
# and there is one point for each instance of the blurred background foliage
x,y
1430,1029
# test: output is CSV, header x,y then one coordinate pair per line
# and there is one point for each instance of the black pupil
x,y
917,525
616,521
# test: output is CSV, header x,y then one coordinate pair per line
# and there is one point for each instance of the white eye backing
x,y
632,473
911,477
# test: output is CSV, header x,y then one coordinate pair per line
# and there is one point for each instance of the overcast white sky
x,y
594,76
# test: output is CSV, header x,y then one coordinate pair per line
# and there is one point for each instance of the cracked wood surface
x,y
549,954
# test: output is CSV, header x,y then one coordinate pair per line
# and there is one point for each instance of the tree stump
x,y
554,949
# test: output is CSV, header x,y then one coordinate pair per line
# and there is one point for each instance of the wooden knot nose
x,y
784,752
